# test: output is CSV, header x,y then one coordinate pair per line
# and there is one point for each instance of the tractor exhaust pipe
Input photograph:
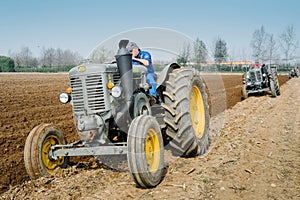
x,y
124,63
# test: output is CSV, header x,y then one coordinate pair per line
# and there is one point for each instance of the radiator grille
x,y
88,93
256,76
116,78
77,94
95,93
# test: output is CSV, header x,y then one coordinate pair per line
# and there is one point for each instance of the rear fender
x,y
164,75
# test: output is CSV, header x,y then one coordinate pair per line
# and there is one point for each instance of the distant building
x,y
226,63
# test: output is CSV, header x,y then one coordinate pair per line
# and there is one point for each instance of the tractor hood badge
x,y
81,68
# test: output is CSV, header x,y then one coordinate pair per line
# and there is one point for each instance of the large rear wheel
x,y
273,88
36,151
274,83
186,113
145,151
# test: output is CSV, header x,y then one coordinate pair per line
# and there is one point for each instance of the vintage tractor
x,y
294,72
260,79
115,115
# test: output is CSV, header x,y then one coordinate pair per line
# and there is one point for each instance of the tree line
x,y
50,60
265,48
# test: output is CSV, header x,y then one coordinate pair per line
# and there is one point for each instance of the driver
x,y
140,57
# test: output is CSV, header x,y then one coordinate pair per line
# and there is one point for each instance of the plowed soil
x,y
254,152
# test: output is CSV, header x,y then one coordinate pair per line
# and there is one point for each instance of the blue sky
x,y
80,25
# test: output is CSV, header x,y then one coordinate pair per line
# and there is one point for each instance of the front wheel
x,y
274,83
244,92
277,86
145,151
36,151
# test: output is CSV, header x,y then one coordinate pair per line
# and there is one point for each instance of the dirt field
x,y
254,152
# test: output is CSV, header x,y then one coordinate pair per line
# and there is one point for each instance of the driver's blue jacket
x,y
150,74
145,55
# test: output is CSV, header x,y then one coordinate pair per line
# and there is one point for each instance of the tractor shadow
x,y
116,163
258,94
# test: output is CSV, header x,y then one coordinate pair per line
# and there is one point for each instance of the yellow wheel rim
x,y
277,80
152,150
49,164
197,111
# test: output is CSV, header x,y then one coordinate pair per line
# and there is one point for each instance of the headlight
x,y
116,91
64,97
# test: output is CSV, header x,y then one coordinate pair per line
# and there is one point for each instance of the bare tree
x,y
59,57
17,59
272,47
27,56
258,44
231,57
23,58
102,55
43,57
49,57
288,42
71,58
